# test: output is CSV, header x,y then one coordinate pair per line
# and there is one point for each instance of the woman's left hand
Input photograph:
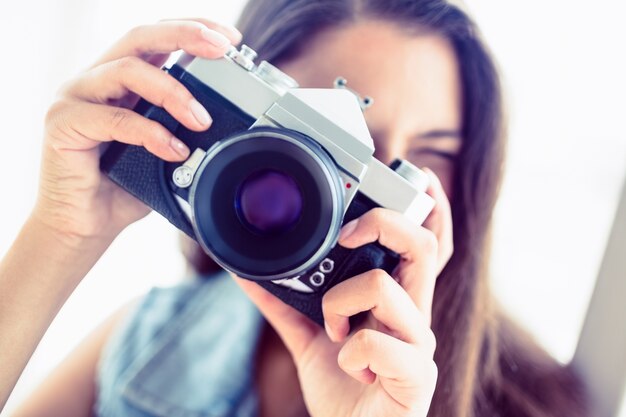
x,y
386,367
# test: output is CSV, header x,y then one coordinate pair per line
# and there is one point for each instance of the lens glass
x,y
269,202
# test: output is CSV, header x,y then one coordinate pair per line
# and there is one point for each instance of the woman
x,y
437,103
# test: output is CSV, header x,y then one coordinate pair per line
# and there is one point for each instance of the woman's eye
x,y
432,152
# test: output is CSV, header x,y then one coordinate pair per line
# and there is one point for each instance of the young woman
x,y
433,343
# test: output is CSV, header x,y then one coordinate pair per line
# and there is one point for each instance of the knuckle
x,y
379,214
364,340
177,93
126,63
180,90
54,111
65,88
119,118
157,133
56,117
378,282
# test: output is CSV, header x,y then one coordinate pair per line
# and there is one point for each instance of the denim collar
x,y
201,363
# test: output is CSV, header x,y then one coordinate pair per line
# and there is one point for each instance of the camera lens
x,y
269,201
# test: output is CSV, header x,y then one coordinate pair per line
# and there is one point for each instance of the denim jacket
x,y
186,351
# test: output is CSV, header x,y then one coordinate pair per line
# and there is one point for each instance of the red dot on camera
x,y
348,185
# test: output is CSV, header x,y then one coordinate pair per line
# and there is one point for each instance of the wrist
x,y
69,236
44,266
37,275
69,256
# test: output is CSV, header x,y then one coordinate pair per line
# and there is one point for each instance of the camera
x,y
268,186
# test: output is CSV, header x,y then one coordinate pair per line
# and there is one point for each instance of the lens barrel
x,y
267,203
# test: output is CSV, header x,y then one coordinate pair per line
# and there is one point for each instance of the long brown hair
x,y
487,366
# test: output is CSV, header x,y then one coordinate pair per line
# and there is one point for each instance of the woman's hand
x,y
386,367
79,211
75,198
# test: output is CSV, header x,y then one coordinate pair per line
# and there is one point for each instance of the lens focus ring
x,y
267,203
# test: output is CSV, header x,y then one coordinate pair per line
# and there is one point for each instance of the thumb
x,y
294,328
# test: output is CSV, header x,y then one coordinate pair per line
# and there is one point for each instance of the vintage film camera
x,y
269,185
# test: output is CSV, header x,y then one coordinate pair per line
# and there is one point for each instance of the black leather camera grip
x,y
147,177
141,173
347,264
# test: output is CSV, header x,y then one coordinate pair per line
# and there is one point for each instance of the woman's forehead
x,y
413,78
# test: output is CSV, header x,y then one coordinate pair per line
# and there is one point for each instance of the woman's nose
x,y
388,148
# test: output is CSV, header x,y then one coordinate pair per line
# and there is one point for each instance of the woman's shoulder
x,y
184,350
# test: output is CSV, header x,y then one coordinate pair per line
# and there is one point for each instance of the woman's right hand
x,y
75,198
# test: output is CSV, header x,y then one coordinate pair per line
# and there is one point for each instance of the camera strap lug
x,y
184,174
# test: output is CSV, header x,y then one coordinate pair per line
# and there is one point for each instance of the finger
x,y
392,230
193,37
398,365
295,329
232,33
114,80
71,122
157,60
417,246
440,219
389,303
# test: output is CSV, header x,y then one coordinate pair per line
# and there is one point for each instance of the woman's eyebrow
x,y
439,134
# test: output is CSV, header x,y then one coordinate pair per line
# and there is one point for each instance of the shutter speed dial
x,y
265,71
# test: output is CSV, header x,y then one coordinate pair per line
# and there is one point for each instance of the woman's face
x,y
413,79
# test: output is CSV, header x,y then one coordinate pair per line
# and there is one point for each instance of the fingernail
x,y
348,229
179,147
215,38
234,31
199,112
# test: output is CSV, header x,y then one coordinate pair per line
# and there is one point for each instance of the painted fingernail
x,y
215,38
347,230
199,112
179,147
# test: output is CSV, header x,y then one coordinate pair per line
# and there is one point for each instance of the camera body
x,y
269,185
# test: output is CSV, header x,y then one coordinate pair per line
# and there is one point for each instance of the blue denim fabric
x,y
186,351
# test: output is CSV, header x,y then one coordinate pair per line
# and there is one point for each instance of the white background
x,y
563,63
